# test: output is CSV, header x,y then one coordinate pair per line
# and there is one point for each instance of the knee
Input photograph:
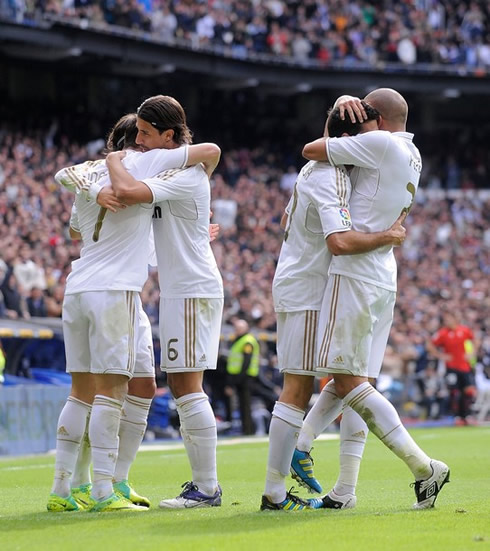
x,y
297,390
181,384
177,386
142,387
345,384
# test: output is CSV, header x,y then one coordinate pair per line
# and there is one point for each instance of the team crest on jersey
x,y
345,217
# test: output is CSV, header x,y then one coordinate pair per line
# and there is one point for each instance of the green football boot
x,y
115,502
125,489
58,504
81,494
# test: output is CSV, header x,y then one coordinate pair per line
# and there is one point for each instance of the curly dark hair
x,y
336,126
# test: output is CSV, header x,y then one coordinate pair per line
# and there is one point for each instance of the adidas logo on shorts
x,y
202,358
338,360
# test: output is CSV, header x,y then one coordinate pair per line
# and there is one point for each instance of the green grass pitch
x,y
383,519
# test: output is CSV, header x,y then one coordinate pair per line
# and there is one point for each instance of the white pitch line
x,y
19,468
174,446
224,442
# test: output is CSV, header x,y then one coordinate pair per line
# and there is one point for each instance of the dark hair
x,y
123,134
336,126
166,113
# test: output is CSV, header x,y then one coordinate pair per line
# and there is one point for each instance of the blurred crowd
x,y
446,32
445,261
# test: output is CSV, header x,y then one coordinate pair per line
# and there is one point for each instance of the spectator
x,y
13,297
243,367
36,304
352,32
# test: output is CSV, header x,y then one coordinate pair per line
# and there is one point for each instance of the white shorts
x,y
296,342
145,360
190,331
354,327
99,329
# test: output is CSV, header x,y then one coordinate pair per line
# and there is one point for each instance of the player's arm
x,y
284,221
206,153
316,151
354,242
76,182
126,188
348,106
436,352
74,229
75,235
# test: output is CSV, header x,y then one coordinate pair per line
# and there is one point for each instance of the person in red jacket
x,y
448,344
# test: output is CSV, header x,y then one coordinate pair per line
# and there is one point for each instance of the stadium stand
x,y
355,33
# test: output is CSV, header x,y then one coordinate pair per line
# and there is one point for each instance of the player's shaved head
x,y
390,105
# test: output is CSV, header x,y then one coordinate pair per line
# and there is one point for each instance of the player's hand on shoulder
x,y
108,200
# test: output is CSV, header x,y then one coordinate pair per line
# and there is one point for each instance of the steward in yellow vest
x,y
242,367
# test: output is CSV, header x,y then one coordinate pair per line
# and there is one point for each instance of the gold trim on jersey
x,y
341,185
98,224
131,336
167,174
190,323
329,329
73,178
309,339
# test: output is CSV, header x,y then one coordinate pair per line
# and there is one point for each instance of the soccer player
x,y
317,211
450,345
191,290
357,309
107,335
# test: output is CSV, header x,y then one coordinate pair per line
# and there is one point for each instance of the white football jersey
x,y
186,264
318,207
115,249
384,181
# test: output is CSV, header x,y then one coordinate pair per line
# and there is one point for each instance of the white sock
x,y
198,429
324,412
353,434
383,421
71,427
81,474
103,433
134,415
283,435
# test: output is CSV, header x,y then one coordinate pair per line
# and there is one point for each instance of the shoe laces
x,y
188,486
292,495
